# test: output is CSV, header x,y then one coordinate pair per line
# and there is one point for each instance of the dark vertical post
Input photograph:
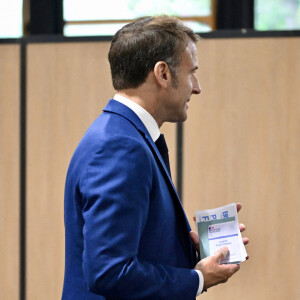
x,y
235,14
46,17
23,172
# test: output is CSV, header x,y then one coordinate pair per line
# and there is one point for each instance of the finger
x,y
222,254
195,240
194,237
242,227
245,240
233,268
238,207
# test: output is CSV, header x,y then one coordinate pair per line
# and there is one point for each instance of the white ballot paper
x,y
217,228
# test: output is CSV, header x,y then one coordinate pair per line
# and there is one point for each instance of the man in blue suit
x,y
127,236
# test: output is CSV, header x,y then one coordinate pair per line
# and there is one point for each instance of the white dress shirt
x,y
154,132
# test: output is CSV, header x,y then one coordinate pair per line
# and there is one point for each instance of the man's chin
x,y
183,118
178,118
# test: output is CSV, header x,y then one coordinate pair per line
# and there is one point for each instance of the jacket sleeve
x,y
116,188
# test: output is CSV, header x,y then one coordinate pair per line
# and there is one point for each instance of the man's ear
x,y
162,74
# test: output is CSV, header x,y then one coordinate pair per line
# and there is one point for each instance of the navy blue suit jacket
x,y
127,236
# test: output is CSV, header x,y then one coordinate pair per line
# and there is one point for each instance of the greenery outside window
x,y
277,14
91,17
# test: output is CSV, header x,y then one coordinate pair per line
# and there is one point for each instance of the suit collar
x,y
118,108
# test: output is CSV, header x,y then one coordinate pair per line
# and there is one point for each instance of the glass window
x,y
11,18
277,14
91,17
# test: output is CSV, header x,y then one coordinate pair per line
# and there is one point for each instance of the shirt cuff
x,y
201,283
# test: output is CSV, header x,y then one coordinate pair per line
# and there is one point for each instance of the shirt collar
x,y
145,117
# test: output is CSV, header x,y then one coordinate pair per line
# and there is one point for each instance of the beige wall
x,y
9,170
242,144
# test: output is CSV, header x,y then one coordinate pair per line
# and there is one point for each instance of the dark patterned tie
x,y
163,150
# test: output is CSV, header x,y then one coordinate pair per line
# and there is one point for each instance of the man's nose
x,y
196,87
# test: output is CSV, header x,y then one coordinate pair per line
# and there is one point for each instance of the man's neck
x,y
145,99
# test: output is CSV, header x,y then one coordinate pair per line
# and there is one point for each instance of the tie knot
x,y
161,144
163,150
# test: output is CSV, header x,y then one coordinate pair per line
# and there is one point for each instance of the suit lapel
x,y
175,198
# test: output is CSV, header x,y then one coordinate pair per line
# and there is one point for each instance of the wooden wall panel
x,y
241,144
68,86
9,170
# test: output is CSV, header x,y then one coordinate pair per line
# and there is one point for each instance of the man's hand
x,y
213,272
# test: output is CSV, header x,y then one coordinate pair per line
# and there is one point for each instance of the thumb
x,y
222,254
